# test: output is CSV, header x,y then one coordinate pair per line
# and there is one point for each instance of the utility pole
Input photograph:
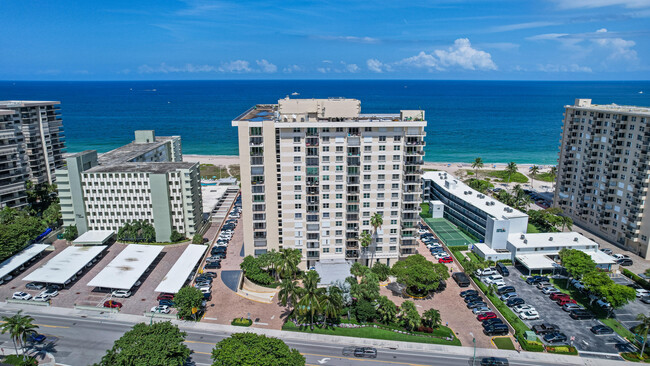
x,y
474,342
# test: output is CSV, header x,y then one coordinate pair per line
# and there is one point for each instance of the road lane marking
x,y
203,353
44,325
210,343
364,360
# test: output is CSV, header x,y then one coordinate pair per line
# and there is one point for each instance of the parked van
x,y
501,268
461,279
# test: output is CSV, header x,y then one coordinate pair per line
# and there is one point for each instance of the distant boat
x,y
641,92
295,93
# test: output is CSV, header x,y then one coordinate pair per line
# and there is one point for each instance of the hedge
x,y
241,322
530,346
643,283
633,357
563,350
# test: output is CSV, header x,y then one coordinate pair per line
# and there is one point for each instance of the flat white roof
x,y
481,201
565,239
485,249
93,237
537,261
211,195
65,264
123,271
21,258
601,258
180,271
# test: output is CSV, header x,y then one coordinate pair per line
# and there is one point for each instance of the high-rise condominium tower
x,y
31,147
603,171
314,172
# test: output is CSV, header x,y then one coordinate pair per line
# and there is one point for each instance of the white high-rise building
x,y
314,171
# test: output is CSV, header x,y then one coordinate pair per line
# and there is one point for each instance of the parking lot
x,y
627,314
550,312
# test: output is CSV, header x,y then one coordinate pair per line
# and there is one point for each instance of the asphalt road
x,y
79,341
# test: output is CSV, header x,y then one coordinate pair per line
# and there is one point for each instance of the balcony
x,y
313,254
312,182
351,254
352,245
310,141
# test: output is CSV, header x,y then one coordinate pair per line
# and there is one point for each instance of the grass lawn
x,y
503,176
544,177
532,229
235,171
618,327
374,333
503,343
424,213
208,171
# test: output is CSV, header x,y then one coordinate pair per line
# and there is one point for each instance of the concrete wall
x,y
162,220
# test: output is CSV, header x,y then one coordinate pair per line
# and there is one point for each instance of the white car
x,y
603,304
570,306
499,283
550,290
422,231
164,309
49,293
492,279
21,296
41,297
121,293
205,290
485,272
481,310
137,283
641,292
619,256
523,307
529,315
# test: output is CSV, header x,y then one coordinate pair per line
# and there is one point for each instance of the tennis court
x,y
448,232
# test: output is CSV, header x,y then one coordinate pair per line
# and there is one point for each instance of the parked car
x,y
49,292
571,306
606,251
646,299
34,286
490,322
467,293
112,304
166,302
494,361
555,337
529,315
618,256
41,298
476,304
601,329
522,307
603,304
564,301
121,293
545,328
581,314
484,316
485,272
209,274
163,309
515,301
533,280
21,296
473,298
559,295
549,290
496,329
625,262
216,258
34,337
213,265
462,280
365,352
505,289
492,279
481,310
501,268
446,259
508,296
165,296
204,279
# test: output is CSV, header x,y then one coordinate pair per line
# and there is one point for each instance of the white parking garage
x,y
22,257
181,270
64,266
123,271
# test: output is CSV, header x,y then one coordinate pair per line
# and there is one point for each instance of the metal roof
x,y
123,271
65,264
94,237
180,271
21,258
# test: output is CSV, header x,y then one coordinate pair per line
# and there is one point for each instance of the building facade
x,y
32,145
145,180
314,171
602,181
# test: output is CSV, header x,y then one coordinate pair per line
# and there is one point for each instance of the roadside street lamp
x,y
474,342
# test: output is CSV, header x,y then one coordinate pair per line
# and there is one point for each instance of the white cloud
x,y
237,66
323,70
352,68
503,46
375,65
266,66
563,68
421,60
576,4
351,39
168,69
518,26
620,49
292,68
463,55
547,36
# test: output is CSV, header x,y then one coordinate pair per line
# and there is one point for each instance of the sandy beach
x,y
457,169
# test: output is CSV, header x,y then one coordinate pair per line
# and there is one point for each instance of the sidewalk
x,y
530,357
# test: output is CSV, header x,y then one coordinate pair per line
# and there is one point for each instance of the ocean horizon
x,y
499,121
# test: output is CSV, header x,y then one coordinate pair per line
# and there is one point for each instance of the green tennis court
x,y
448,232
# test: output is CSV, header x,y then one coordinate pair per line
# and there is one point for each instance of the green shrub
x,y
634,357
18,361
365,311
424,213
566,350
241,322
643,283
503,176
252,268
530,346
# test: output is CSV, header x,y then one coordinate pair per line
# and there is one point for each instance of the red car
x,y
486,316
446,259
112,304
165,296
564,301
558,295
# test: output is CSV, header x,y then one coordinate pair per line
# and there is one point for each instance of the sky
x,y
335,39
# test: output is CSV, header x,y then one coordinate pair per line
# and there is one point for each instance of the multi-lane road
x,y
75,340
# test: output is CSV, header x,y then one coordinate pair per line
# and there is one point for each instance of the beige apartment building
x,y
31,147
602,181
314,171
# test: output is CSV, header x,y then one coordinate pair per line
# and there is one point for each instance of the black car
x,y
207,296
516,301
462,280
581,314
494,361
218,250
501,268
496,329
365,352
602,329
167,302
625,262
467,293
545,328
213,265
209,274
490,322
555,337
473,298
505,289
207,279
536,279
476,304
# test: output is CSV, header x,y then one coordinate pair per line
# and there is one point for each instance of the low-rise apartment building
x,y
314,171
603,170
145,180
32,145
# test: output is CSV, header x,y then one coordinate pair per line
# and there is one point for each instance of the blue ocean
x,y
500,121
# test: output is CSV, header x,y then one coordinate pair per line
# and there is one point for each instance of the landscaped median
x,y
440,335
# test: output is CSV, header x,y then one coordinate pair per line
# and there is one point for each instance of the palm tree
x,y
288,260
477,164
376,221
289,292
19,328
332,303
643,328
511,169
309,304
567,222
533,172
432,317
553,173
365,239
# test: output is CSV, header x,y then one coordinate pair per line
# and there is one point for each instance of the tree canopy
x,y
187,298
17,229
418,274
137,231
197,239
577,262
249,349
158,344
